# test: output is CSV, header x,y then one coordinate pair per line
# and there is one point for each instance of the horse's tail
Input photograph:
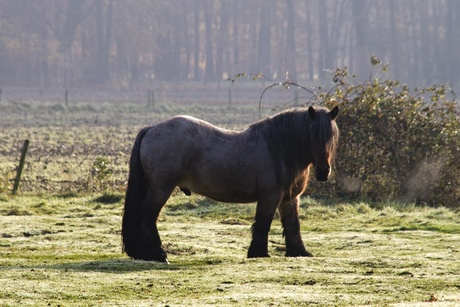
x,y
135,196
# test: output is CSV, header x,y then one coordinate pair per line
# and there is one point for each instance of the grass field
x,y
60,242
65,142
66,251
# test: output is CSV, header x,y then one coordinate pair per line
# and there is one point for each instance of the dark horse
x,y
268,163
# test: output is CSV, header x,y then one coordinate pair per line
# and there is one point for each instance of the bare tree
x,y
103,38
360,24
264,38
67,42
290,55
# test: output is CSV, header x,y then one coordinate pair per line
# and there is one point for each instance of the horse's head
x,y
324,136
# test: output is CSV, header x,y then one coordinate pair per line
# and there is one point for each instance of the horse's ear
x,y
334,112
312,113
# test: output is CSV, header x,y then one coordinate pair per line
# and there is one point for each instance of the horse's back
x,y
205,159
185,133
182,141
171,141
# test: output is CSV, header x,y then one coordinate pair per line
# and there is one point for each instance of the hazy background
x,y
133,44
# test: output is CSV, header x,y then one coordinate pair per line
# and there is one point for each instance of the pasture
x,y
60,242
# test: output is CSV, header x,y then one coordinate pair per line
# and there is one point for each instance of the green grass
x,y
60,242
66,250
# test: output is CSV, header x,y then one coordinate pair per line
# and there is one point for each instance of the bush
x,y
101,174
396,143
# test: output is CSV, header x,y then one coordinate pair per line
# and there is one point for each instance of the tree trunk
x,y
323,36
222,39
290,41
103,38
209,70
394,51
359,9
309,27
235,38
264,39
196,40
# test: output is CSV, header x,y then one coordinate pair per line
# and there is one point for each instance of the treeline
x,y
123,42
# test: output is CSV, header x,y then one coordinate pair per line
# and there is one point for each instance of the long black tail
x,y
135,196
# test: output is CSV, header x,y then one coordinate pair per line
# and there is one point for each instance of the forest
x,y
125,43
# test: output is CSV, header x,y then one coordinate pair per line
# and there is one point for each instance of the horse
x,y
267,163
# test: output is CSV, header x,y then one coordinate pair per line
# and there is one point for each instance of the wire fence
x,y
65,143
222,93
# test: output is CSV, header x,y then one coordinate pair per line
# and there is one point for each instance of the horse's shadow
x,y
114,266
124,265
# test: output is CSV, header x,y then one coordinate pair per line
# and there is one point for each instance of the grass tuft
x,y
67,195
109,198
15,210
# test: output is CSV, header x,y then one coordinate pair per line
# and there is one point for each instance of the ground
x,y
60,242
66,250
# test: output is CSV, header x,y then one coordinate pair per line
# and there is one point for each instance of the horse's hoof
x,y
263,256
165,261
302,254
161,258
255,255
158,256
153,259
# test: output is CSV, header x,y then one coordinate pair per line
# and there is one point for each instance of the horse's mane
x,y
288,137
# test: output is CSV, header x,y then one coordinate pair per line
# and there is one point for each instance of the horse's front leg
x,y
289,211
265,210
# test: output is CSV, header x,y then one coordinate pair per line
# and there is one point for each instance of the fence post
x,y
66,97
21,166
151,98
230,98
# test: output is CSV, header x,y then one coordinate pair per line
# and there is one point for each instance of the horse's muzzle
x,y
322,174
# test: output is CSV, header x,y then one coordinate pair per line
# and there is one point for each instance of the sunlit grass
x,y
60,241
67,251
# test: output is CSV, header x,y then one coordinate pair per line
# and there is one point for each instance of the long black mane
x,y
288,135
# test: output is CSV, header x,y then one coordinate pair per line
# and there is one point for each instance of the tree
x,y
360,25
79,42
290,55
209,55
264,38
103,38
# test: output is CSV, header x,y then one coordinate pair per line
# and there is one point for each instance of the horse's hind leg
x,y
289,211
151,248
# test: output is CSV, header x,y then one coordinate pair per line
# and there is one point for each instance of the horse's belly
x,y
222,193
227,171
231,197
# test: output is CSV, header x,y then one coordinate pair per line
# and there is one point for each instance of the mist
x,y
134,43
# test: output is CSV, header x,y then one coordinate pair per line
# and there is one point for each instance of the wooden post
x,y
21,166
66,97
151,98
230,98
